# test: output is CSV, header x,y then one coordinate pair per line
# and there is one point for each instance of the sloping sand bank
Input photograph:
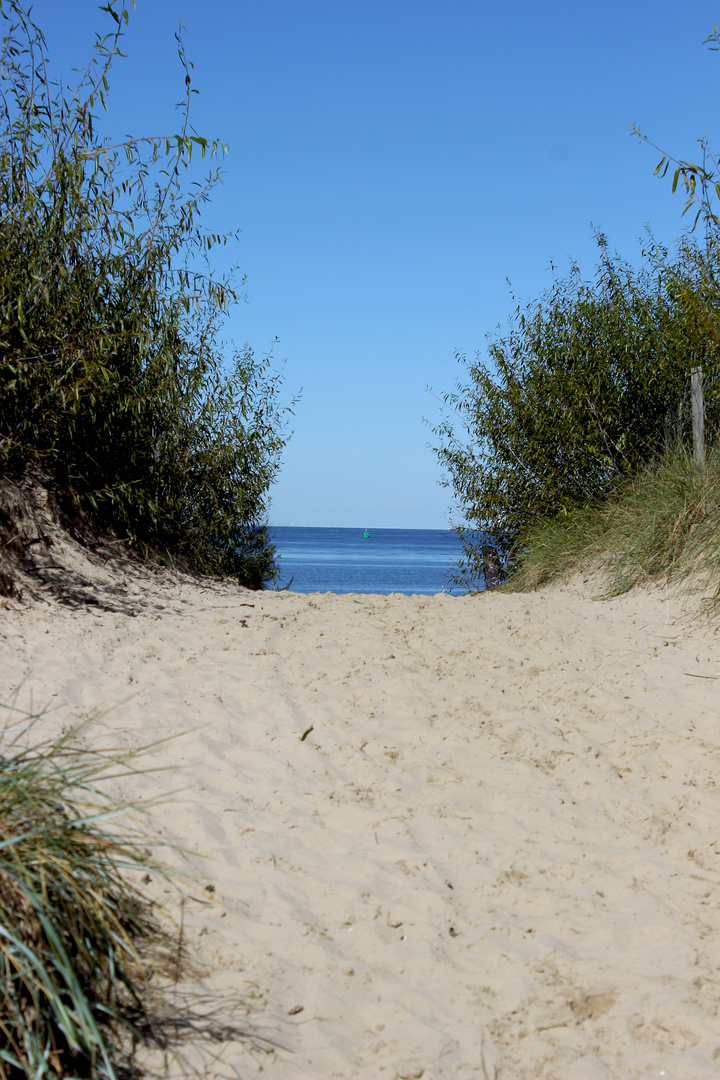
x,y
496,854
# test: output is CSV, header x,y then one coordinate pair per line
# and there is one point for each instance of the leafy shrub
x,y
586,386
113,376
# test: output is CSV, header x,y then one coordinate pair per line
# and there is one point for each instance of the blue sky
x,y
391,164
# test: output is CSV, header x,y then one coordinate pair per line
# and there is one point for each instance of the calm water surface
x,y
386,561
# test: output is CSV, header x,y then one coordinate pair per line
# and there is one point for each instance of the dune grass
x,y
79,943
664,525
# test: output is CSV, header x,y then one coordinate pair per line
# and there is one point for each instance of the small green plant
x,y
115,383
701,183
79,944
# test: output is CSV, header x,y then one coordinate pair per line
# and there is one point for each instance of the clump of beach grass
x,y
79,942
664,525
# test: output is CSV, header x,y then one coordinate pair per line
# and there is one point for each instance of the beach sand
x,y
496,854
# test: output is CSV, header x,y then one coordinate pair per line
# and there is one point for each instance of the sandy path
x,y
497,854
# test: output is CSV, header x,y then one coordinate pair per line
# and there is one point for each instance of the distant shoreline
x,y
367,560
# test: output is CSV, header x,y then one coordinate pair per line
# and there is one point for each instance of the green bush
x,y
114,381
585,387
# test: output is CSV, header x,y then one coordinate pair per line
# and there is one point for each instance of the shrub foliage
x,y
584,387
114,379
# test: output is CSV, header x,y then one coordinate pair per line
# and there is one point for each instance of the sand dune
x,y
496,853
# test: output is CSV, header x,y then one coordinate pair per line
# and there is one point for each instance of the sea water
x,y
385,561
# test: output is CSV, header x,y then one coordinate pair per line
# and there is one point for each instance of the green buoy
x,y
366,535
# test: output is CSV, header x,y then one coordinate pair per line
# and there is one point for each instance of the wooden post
x,y
698,418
